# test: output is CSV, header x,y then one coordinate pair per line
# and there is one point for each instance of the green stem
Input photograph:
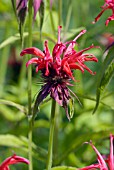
x,y
30,142
30,44
51,134
56,130
24,60
60,12
3,63
29,86
51,19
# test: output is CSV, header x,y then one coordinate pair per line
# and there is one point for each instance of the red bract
x,y
102,163
12,160
109,4
57,69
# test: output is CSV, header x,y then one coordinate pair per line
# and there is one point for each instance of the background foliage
x,y
92,91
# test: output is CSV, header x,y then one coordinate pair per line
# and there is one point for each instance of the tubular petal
x,y
76,66
72,44
109,19
111,156
12,160
99,15
90,167
101,161
33,51
32,61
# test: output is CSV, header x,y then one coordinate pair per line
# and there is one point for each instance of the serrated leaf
x,y
106,75
63,168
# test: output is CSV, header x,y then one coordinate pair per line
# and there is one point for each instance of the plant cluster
x,y
49,105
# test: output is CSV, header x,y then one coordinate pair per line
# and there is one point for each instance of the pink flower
x,y
103,164
109,4
12,160
22,8
57,69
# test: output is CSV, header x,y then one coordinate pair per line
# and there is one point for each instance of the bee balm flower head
x,y
57,68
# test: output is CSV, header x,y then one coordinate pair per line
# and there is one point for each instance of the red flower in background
x,y
103,164
109,4
57,69
12,160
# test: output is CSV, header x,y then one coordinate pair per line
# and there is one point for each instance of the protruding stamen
x,y
59,32
80,34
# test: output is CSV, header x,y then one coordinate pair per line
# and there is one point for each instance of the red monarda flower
x,y
103,164
109,4
12,160
57,69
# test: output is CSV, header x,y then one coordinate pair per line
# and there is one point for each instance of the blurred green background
x,y
84,126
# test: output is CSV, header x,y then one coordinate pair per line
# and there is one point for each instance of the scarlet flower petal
x,y
33,51
78,54
109,4
72,44
12,160
66,69
40,66
109,19
76,66
110,159
102,159
91,167
32,61
85,67
99,15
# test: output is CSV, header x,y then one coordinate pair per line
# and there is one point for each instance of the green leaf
x,y
11,115
63,168
107,72
14,6
16,37
80,139
10,103
107,76
12,39
11,141
22,143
